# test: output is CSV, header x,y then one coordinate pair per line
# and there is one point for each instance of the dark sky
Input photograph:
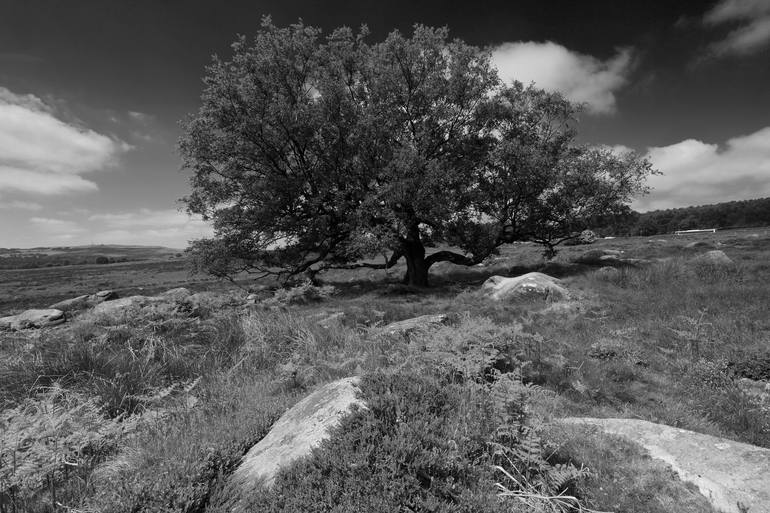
x,y
686,82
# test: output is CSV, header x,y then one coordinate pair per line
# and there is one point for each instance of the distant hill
x,y
730,214
33,258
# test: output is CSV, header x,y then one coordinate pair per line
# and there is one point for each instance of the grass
x,y
179,394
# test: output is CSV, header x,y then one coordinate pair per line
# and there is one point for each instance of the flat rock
x,y
72,305
104,295
409,326
726,472
598,256
296,433
527,286
33,319
114,306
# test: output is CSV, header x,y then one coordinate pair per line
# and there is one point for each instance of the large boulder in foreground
x,y
296,433
728,473
527,286
33,319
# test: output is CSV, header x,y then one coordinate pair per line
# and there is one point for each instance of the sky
x,y
92,93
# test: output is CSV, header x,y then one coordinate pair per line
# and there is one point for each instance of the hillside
x,y
149,402
34,258
730,214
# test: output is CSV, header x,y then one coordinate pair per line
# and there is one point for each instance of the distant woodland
x,y
731,214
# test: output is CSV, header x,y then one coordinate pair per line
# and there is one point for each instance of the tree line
x,y
731,214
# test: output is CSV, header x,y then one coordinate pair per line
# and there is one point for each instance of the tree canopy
x,y
313,152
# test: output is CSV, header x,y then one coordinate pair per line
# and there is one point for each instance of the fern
x,y
518,452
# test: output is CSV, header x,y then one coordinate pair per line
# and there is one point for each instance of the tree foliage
x,y
310,153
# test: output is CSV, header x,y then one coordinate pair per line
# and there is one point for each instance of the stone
x,y
72,305
598,257
116,305
296,433
177,294
715,257
103,295
733,476
33,319
527,286
409,326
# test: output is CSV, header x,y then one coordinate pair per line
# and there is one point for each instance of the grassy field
x,y
147,270
150,409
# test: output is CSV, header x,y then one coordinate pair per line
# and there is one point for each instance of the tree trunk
x,y
416,266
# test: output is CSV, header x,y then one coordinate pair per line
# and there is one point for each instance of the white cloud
x,y
20,205
697,173
162,227
166,227
581,78
41,154
56,226
753,33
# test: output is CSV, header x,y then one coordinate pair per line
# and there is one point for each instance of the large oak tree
x,y
311,153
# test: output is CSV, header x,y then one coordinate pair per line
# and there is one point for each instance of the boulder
x,y
103,295
177,294
33,319
715,258
296,433
733,476
116,305
528,286
409,326
72,305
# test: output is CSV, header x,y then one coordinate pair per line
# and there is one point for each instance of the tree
x,y
311,153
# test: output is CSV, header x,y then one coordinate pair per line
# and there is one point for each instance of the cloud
x,y
56,226
753,32
581,78
698,173
20,205
165,227
41,154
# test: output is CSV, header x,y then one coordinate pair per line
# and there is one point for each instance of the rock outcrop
x,y
732,475
296,433
609,257
82,302
409,326
527,286
72,305
33,319
114,306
